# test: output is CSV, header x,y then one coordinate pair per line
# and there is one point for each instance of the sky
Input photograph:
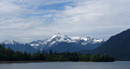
x,y
28,20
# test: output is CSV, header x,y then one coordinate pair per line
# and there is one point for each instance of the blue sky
x,y
28,20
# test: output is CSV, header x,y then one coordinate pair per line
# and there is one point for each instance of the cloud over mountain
x,y
27,20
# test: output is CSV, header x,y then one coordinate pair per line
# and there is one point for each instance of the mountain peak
x,y
58,33
59,37
11,42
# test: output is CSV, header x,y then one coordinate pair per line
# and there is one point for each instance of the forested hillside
x,y
117,46
10,55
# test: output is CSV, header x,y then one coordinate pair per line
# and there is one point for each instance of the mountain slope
x,y
57,39
57,43
64,47
117,46
18,46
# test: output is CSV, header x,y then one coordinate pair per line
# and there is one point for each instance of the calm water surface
x,y
68,65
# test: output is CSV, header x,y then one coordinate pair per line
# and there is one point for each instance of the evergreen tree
x,y
10,55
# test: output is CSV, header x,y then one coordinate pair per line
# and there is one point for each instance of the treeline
x,y
10,55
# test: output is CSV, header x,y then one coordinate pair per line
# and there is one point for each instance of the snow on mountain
x,y
11,42
81,42
98,40
86,40
81,38
58,38
54,40
18,46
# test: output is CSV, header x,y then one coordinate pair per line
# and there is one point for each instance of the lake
x,y
68,65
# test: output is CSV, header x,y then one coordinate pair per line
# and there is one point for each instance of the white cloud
x,y
95,16
21,20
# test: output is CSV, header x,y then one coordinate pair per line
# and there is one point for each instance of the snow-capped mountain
x,y
18,46
57,42
58,38
11,42
54,40
83,40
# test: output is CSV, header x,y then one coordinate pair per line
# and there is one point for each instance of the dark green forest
x,y
117,46
9,55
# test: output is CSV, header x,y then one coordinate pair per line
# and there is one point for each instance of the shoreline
x,y
40,61
21,61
